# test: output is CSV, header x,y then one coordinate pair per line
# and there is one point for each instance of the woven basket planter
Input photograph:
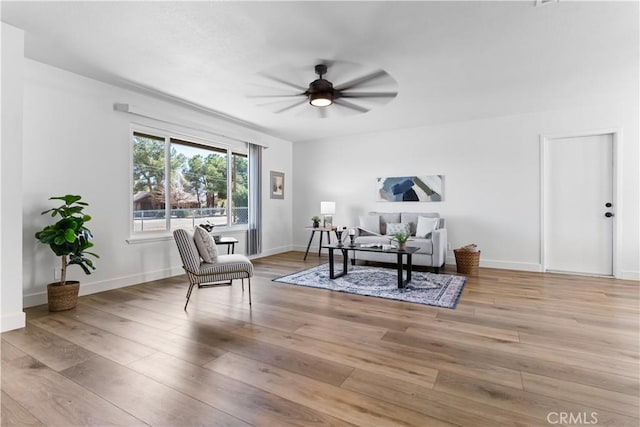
x,y
63,298
467,262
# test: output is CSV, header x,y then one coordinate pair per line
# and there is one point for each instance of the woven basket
x,y
467,262
63,297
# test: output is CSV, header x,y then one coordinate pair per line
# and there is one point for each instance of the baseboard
x,y
17,320
39,298
630,275
273,251
504,265
312,250
9,322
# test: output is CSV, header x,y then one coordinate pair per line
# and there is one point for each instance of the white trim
x,y
140,112
577,273
167,184
274,251
39,298
617,203
617,182
168,235
229,186
487,263
630,275
503,265
179,132
130,136
13,321
139,238
541,204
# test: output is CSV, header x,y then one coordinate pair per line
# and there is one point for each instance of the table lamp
x,y
327,209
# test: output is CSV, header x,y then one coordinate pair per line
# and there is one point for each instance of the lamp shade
x,y
327,208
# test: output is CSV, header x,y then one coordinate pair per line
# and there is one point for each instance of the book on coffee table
x,y
382,246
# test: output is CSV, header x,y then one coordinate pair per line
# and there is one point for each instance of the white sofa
x,y
433,248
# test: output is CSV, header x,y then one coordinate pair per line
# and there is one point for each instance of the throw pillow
x,y
370,223
425,226
206,245
394,228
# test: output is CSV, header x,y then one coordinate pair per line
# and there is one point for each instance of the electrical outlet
x,y
449,246
56,273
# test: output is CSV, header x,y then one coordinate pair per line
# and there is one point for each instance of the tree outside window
x,y
240,188
198,185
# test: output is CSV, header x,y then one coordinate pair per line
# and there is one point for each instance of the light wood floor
x,y
520,349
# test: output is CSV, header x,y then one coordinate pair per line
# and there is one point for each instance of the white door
x,y
578,205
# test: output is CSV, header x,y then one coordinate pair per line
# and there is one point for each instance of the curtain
x,y
254,244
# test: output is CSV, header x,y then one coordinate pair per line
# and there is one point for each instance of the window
x,y
239,188
149,213
199,178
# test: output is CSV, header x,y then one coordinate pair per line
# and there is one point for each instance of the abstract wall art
x,y
427,188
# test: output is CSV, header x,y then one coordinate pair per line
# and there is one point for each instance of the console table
x,y
313,233
406,252
229,242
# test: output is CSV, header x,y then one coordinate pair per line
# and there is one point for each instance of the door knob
x,y
608,214
607,205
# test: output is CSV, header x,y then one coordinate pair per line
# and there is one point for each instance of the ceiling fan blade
x,y
291,106
284,82
276,103
350,105
368,94
360,80
276,96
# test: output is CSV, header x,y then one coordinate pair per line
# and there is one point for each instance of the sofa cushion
x,y
370,224
394,228
232,263
206,245
411,218
363,240
425,246
388,218
426,226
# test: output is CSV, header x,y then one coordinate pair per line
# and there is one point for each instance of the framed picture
x,y
277,185
426,188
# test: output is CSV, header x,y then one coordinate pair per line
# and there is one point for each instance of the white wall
x,y
74,142
492,178
12,316
277,213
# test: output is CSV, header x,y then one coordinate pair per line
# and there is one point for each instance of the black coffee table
x,y
406,252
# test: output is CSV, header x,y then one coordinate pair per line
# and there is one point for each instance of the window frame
x,y
180,137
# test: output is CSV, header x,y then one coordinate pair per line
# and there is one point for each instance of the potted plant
x,y
402,239
316,221
69,239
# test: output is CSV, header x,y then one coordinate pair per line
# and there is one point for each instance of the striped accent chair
x,y
226,269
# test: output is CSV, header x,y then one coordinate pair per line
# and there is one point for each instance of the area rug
x,y
440,290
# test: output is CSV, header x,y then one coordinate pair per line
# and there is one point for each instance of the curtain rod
x,y
131,109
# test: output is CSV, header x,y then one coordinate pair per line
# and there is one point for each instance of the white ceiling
x,y
452,61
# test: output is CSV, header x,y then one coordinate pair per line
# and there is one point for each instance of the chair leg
x,y
249,280
242,285
188,295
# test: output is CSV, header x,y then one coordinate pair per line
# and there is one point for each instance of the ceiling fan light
x,y
321,99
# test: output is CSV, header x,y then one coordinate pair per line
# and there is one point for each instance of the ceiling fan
x,y
321,93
